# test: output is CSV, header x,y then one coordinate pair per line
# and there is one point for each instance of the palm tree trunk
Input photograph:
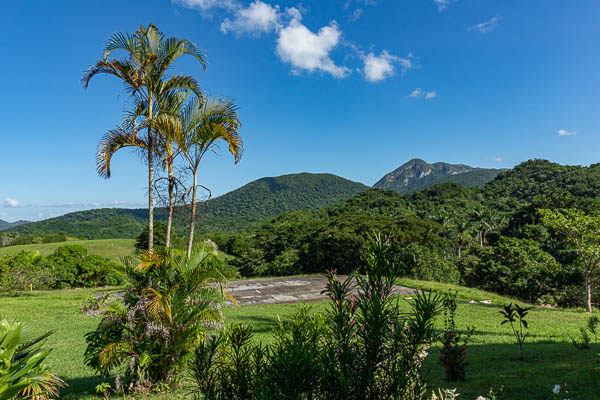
x,y
193,218
150,179
588,289
170,216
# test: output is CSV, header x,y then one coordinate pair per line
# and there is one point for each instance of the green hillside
x,y
489,237
417,174
113,249
250,204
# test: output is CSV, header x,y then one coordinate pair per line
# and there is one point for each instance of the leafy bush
x,y
364,348
23,374
148,337
68,267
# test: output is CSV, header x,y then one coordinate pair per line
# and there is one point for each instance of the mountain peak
x,y
418,174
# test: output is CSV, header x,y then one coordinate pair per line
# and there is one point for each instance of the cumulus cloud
x,y
377,68
442,4
419,93
486,27
306,50
564,132
10,202
258,17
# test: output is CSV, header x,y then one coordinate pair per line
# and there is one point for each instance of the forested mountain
x,y
252,203
417,174
4,225
491,237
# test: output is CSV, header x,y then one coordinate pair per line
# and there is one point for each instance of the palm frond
x,y
111,142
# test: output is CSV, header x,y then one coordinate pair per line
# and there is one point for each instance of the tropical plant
x,y
23,374
511,314
149,56
201,123
582,232
165,313
586,332
454,344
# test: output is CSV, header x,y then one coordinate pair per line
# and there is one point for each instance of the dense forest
x,y
490,237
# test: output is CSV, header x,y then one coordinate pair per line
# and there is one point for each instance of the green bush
x,y
66,267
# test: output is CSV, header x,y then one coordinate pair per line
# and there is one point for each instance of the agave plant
x,y
23,374
148,337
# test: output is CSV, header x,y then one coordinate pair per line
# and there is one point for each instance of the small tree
x,y
582,233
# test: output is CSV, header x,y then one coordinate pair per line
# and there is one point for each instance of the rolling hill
x,y
417,174
252,203
113,249
4,225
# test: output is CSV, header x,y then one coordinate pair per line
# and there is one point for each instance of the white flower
x,y
481,398
556,389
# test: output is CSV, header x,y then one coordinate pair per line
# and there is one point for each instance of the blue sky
x,y
350,87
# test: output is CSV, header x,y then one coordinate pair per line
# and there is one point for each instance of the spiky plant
x,y
23,374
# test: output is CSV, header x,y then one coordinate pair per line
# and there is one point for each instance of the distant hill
x,y
4,225
417,174
252,203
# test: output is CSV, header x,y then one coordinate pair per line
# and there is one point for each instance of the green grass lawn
x,y
112,249
550,358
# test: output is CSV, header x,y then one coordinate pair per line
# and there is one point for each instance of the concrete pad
x,y
286,290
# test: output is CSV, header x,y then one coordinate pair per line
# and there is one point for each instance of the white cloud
x,y
10,202
564,132
206,5
486,27
258,17
377,68
442,4
419,93
355,16
309,51
497,159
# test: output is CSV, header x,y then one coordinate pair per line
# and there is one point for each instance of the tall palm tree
x,y
202,123
143,71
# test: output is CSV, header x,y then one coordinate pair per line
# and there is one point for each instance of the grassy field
x,y
112,249
550,358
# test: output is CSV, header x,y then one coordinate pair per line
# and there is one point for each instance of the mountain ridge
x,y
418,174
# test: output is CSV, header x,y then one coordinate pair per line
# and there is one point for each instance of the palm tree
x,y
150,335
462,236
198,128
143,71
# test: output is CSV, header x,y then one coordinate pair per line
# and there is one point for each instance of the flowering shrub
x,y
454,345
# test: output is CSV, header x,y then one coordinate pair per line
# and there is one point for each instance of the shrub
x,y
66,267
